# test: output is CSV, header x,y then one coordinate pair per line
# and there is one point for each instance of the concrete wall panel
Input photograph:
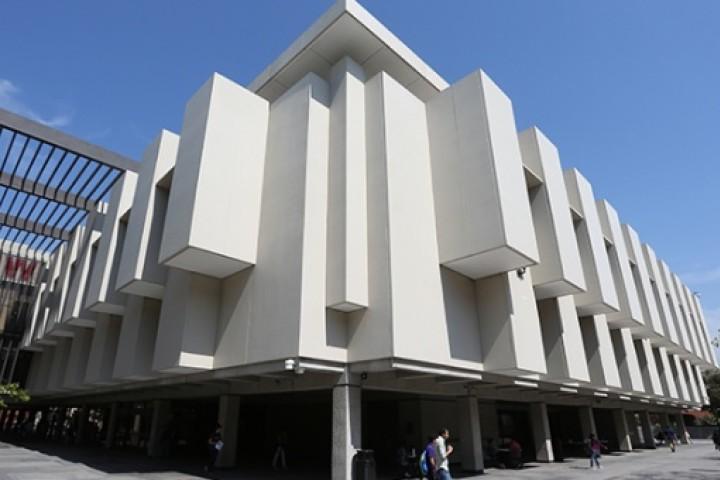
x,y
483,215
217,182
560,270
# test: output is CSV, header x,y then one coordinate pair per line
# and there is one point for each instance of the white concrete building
x,y
352,249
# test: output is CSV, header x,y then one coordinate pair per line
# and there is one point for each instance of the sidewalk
x,y
58,462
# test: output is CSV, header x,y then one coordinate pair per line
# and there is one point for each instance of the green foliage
x,y
13,393
712,383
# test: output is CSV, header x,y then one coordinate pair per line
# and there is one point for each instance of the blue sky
x,y
628,90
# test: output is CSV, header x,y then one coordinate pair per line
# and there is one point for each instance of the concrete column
x,y
161,416
681,428
541,432
111,425
471,454
228,416
647,429
621,429
587,421
346,427
83,413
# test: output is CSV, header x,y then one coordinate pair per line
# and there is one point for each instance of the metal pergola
x,y
49,182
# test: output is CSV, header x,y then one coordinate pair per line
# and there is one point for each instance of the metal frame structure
x,y
49,181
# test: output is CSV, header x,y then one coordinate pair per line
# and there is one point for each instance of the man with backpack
x,y
427,460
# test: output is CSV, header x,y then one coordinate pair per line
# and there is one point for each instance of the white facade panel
x,y
217,182
483,216
560,270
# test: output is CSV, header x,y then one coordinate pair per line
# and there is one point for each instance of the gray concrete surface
x,y
697,462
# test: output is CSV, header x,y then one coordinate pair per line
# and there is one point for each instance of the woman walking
x,y
595,447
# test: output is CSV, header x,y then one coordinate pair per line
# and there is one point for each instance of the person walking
x,y
595,447
214,445
716,438
442,452
427,461
279,455
671,438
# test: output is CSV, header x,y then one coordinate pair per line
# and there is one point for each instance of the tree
x,y
13,393
712,384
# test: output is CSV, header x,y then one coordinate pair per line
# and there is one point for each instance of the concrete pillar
x,y
161,417
346,426
111,425
228,417
681,428
587,421
83,414
647,429
621,429
471,454
541,432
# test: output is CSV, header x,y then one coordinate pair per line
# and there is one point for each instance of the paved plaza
x,y
697,462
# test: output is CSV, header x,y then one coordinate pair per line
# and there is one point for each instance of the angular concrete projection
x,y
140,273
562,340
62,284
405,281
260,315
704,351
648,368
685,316
59,364
698,307
103,350
102,294
217,183
660,295
484,224
74,312
40,375
667,378
78,358
678,373
641,276
136,341
689,373
600,296
560,270
599,351
674,306
627,360
701,385
188,319
510,324
347,236
630,314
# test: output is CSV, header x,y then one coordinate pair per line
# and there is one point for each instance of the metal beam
x,y
57,138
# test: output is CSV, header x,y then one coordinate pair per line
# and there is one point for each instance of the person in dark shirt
x,y
214,445
428,457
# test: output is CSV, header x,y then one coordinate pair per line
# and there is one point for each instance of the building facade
x,y
353,239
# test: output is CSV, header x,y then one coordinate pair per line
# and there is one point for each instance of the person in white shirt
x,y
442,452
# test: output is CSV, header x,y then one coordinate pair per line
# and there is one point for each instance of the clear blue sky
x,y
629,91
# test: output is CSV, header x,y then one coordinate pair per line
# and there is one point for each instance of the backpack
x,y
423,464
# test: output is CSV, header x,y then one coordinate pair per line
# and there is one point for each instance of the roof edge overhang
x,y
348,30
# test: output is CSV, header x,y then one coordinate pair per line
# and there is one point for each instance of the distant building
x,y
352,251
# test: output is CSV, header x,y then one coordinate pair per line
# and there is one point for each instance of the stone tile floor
x,y
57,462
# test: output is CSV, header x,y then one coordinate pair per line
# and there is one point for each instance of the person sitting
x,y
515,454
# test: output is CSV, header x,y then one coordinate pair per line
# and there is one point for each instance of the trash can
x,y
363,465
